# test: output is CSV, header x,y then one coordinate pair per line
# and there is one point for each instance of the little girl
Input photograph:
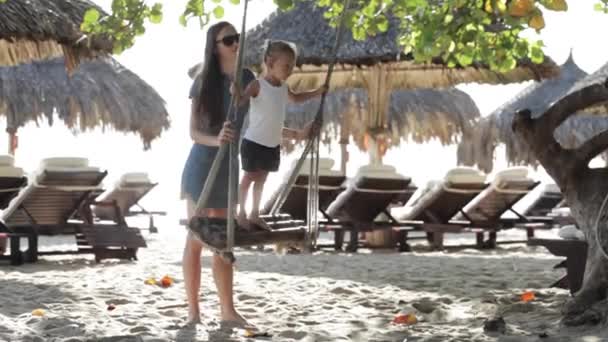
x,y
260,148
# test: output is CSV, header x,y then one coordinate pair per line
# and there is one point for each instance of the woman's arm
x,y
226,134
306,95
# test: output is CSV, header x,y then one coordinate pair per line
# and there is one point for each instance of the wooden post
x,y
12,141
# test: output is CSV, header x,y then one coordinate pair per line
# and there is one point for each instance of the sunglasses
x,y
229,40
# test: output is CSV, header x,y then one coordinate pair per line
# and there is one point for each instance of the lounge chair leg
x,y
338,239
479,240
491,243
32,248
530,233
353,245
437,241
152,228
402,244
429,237
16,255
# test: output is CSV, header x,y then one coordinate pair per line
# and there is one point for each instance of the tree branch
x,y
592,148
557,161
572,103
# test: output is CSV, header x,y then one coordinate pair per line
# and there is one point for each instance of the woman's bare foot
x,y
194,318
243,222
234,320
258,222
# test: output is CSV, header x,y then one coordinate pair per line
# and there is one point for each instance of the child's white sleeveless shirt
x,y
267,114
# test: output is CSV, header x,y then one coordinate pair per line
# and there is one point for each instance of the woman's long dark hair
x,y
210,111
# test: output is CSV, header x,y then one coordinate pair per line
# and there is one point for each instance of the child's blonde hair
x,y
274,47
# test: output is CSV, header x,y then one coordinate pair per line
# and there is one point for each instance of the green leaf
x,y
235,2
536,54
156,14
284,4
91,16
218,12
182,20
382,24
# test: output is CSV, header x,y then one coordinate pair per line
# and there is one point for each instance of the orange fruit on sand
x,y
166,281
528,296
407,319
38,313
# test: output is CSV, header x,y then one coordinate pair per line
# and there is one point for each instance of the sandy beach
x,y
322,297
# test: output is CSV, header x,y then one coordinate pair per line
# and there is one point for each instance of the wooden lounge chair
x,y
437,204
12,180
330,185
55,193
116,203
485,211
366,196
544,201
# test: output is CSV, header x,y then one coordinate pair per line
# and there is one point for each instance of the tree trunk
x,y
584,190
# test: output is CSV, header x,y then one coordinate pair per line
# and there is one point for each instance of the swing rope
x,y
312,147
231,147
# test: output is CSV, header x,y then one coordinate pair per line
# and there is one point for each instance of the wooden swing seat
x,y
212,231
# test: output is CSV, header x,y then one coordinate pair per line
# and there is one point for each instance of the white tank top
x,y
267,114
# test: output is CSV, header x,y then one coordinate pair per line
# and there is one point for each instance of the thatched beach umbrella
x,y
377,64
414,115
478,147
36,30
41,29
101,92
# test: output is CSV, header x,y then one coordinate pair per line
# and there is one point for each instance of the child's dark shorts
x,y
256,157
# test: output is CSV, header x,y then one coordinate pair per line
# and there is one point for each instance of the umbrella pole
x,y
12,141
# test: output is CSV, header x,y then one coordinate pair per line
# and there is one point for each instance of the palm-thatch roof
x,y
306,26
413,115
101,92
41,29
478,148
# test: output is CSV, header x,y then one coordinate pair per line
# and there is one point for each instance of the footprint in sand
x,y
342,291
169,313
128,322
118,301
296,335
139,329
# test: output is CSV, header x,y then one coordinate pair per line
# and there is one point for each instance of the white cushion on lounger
x,y
66,164
7,160
551,188
570,232
565,211
379,171
325,165
9,171
512,175
464,175
134,177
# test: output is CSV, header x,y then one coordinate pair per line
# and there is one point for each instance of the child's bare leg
x,y
258,189
244,191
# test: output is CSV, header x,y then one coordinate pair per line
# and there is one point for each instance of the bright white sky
x,y
163,56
